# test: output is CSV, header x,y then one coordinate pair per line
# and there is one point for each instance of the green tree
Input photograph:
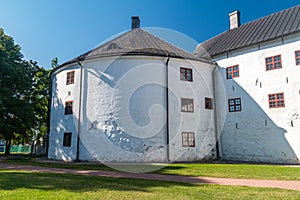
x,y
54,63
40,97
16,75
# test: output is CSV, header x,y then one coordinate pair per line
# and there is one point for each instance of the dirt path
x,y
292,185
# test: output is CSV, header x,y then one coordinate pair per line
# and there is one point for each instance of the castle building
x,y
259,63
135,98
138,98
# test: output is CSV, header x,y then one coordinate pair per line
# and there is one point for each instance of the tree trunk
x,y
7,146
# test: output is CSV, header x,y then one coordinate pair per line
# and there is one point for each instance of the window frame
x,y
208,103
67,139
297,58
70,79
235,105
273,62
230,71
188,139
185,102
276,100
67,110
186,74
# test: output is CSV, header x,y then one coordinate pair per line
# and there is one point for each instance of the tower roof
x,y
135,42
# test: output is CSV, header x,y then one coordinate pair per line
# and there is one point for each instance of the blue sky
x,y
67,28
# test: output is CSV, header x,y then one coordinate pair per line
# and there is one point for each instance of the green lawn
x,y
278,172
28,185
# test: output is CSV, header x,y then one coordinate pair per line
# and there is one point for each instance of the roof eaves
x,y
79,58
253,44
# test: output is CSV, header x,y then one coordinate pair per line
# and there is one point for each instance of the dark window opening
x,y
186,74
68,107
67,139
70,77
208,103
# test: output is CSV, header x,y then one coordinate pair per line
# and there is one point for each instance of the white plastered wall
x,y
201,121
259,133
124,110
59,122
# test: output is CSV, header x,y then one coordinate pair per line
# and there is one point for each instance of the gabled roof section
x,y
136,42
271,27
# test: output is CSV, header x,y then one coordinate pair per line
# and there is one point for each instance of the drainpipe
x,y
79,111
282,39
167,106
49,117
215,112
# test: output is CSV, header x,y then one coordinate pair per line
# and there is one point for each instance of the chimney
x,y
234,19
135,22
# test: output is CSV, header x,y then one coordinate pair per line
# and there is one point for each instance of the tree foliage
x,y
24,94
40,97
54,63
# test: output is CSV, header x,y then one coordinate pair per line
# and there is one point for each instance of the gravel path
x,y
292,185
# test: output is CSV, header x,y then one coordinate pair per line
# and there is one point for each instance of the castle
x,y
138,98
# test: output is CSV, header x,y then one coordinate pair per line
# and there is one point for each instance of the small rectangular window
x,y
208,103
273,62
297,57
187,105
70,77
186,74
68,107
276,100
235,105
188,139
232,72
67,139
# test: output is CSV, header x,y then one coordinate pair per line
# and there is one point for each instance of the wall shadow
x,y
251,134
59,124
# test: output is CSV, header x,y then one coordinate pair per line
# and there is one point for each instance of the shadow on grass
x,y
217,169
12,180
168,168
124,167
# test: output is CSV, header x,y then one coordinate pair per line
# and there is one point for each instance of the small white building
x,y
259,66
138,98
135,98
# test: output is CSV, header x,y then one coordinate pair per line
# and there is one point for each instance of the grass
x,y
253,171
28,160
32,185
